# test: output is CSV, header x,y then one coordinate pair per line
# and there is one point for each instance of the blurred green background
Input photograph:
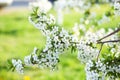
x,y
18,38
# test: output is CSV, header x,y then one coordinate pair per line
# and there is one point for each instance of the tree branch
x,y
102,43
111,41
109,34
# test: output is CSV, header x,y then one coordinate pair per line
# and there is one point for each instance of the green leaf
x,y
73,49
9,64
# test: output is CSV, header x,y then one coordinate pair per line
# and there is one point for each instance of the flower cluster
x,y
108,66
32,58
102,69
87,49
18,66
57,41
42,21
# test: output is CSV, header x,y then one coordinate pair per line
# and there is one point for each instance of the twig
x,y
109,34
102,42
100,51
111,41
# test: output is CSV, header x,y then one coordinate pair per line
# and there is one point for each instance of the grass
x,y
18,38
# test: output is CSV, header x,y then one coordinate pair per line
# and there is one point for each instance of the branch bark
x,y
116,31
111,41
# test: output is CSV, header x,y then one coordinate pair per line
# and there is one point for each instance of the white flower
x,y
51,19
34,51
35,58
18,65
30,59
91,75
87,52
27,60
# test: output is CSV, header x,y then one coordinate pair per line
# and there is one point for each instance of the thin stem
x,y
109,34
111,41
100,50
